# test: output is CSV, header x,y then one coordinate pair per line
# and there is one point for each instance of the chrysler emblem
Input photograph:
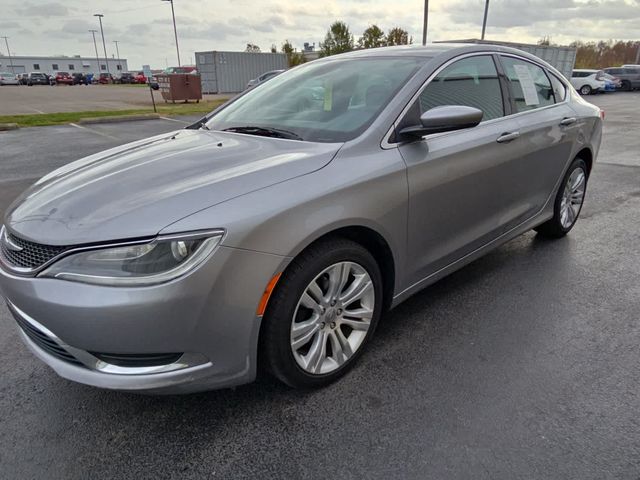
x,y
10,244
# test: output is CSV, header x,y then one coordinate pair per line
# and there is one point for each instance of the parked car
x,y
8,78
140,78
154,83
80,79
629,76
64,78
37,78
263,78
588,81
186,69
125,78
22,78
89,77
279,230
611,83
105,78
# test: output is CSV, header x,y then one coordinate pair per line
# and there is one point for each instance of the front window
x,y
332,101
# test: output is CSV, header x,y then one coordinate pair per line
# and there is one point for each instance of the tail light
x,y
601,114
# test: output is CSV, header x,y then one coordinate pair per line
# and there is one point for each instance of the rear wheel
x,y
626,85
322,314
568,202
585,90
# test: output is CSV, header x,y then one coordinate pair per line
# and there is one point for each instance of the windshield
x,y
320,102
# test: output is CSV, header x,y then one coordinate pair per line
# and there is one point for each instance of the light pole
x,y
425,22
104,45
95,45
6,41
117,51
175,31
484,22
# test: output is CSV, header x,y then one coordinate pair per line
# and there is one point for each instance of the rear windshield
x,y
331,101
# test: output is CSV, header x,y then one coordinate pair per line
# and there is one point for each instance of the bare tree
x,y
253,48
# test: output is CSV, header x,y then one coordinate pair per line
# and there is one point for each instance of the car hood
x,y
136,190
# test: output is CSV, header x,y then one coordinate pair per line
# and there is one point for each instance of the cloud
x,y
52,9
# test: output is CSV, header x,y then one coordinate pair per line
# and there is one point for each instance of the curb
x,y
120,118
8,126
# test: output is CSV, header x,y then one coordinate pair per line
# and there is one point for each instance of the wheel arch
x,y
374,242
587,155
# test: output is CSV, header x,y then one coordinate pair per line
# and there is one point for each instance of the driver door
x,y
461,193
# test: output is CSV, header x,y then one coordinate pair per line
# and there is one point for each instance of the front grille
x,y
45,342
32,256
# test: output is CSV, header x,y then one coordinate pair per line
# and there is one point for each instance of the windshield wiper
x,y
264,131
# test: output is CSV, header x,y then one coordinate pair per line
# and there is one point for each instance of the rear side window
x,y
530,86
472,82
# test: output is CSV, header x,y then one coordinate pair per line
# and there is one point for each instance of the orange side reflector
x,y
262,306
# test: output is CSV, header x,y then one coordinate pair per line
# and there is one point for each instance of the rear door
x,y
548,128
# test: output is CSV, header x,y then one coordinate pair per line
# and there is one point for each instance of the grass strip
x,y
60,118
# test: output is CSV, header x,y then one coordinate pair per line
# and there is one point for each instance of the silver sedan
x,y
273,234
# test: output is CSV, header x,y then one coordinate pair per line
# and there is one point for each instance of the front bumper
x,y
208,316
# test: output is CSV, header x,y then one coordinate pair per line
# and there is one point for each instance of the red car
x,y
140,78
64,77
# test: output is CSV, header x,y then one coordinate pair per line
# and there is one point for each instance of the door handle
x,y
568,121
508,137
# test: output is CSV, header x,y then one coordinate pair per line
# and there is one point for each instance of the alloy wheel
x,y
332,318
572,197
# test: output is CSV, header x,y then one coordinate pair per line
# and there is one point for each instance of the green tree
x,y
293,58
372,37
338,40
274,49
398,36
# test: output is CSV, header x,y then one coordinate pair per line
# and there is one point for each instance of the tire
x,y
585,90
279,356
626,86
559,225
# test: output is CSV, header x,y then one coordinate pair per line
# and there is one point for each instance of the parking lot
x,y
78,98
522,365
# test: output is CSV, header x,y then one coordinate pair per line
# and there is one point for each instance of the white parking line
x,y
94,131
35,110
175,120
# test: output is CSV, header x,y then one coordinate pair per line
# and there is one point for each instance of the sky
x,y
144,29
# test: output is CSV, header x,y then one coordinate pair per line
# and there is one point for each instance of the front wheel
x,y
322,314
568,202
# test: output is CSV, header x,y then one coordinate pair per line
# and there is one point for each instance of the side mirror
x,y
444,119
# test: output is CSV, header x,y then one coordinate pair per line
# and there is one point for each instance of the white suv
x,y
588,81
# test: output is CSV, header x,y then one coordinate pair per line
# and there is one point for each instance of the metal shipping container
x,y
229,72
562,58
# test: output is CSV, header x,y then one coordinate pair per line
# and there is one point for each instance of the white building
x,y
51,65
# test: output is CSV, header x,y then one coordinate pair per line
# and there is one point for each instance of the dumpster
x,y
180,87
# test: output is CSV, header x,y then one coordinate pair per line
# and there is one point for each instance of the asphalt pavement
x,y
523,365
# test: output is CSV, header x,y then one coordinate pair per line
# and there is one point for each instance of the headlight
x,y
137,264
